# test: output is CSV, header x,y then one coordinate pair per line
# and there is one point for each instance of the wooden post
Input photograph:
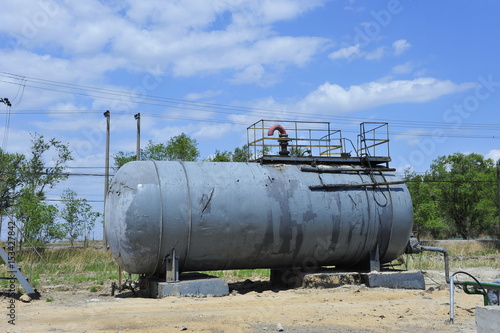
x,y
498,197
137,117
106,178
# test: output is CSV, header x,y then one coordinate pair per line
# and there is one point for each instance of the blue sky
x,y
211,68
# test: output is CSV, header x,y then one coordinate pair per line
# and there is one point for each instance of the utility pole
x,y
137,117
106,180
6,102
498,197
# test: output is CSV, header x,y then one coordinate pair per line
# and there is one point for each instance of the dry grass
x,y
94,269
237,274
462,254
66,267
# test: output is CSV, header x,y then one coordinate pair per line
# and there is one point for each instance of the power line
x,y
224,109
206,106
394,123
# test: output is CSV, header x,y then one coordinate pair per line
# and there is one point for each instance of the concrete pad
x,y
488,319
190,285
395,280
330,279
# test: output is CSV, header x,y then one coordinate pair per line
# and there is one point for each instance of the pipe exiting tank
x,y
249,215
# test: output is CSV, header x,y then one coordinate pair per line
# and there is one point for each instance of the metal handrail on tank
x,y
312,138
370,138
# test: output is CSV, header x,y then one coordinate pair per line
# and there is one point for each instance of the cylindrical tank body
x,y
248,215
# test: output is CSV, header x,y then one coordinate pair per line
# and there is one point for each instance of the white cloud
x,y
400,46
377,54
274,51
405,68
412,137
493,154
355,51
195,96
332,97
251,74
349,53
184,38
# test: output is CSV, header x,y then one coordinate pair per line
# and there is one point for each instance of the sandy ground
x,y
255,307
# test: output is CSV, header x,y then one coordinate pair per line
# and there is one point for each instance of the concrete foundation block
x,y
395,280
190,285
327,278
488,319
330,280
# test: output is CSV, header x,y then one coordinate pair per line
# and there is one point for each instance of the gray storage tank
x,y
250,215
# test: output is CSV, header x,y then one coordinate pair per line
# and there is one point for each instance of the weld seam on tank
x,y
190,213
161,215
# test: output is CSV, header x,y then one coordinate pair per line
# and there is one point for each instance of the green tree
x,y
121,158
219,156
297,151
467,192
37,219
428,218
238,155
242,154
180,147
154,151
35,173
9,179
79,219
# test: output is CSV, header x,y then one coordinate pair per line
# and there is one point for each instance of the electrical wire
x,y
476,280
232,122
225,109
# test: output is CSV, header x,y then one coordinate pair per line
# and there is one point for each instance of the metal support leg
x,y
16,271
375,259
452,300
172,268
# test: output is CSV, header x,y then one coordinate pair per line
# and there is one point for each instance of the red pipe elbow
x,y
273,128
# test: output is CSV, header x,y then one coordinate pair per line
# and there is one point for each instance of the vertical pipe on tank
x,y
282,141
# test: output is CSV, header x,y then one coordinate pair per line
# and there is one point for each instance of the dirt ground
x,y
254,306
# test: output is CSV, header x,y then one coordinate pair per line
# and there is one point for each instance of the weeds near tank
x,y
65,269
240,274
462,254
87,268
93,270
